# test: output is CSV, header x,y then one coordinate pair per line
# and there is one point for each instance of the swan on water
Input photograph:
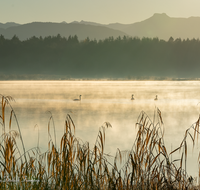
x,y
156,98
78,99
132,97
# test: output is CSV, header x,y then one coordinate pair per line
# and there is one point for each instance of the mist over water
x,y
104,101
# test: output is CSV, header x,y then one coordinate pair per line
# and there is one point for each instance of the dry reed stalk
x,y
74,165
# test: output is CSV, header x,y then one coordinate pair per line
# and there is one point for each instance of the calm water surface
x,y
105,101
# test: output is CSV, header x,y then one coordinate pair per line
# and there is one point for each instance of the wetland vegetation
x,y
71,164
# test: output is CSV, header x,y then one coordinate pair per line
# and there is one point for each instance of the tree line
x,y
122,57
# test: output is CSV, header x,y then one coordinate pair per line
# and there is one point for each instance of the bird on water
x,y
156,98
78,99
132,97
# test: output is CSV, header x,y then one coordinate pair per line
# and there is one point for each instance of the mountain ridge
x,y
159,25
38,29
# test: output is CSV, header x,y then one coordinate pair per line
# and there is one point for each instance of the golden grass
x,y
75,165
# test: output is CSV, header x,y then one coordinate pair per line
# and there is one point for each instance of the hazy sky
x,y
101,11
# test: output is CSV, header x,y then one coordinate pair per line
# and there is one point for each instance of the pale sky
x,y
100,11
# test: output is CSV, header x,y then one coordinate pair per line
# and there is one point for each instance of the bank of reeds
x,y
72,164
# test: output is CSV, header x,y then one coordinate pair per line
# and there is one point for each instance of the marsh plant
x,y
72,164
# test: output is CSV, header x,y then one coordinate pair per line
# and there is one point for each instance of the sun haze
x,y
104,11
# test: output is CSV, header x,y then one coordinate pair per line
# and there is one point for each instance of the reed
x,y
72,164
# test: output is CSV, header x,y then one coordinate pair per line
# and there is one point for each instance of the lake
x,y
104,101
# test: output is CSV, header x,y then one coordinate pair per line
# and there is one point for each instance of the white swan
x,y
156,98
78,99
132,97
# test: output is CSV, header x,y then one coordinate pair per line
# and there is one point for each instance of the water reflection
x,y
104,101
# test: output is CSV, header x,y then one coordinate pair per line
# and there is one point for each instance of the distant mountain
x,y
163,27
119,26
89,23
159,25
8,25
38,29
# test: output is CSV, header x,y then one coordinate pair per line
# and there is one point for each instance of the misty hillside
x,y
163,27
159,25
38,29
127,58
8,25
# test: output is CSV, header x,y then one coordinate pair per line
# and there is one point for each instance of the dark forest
x,y
128,58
